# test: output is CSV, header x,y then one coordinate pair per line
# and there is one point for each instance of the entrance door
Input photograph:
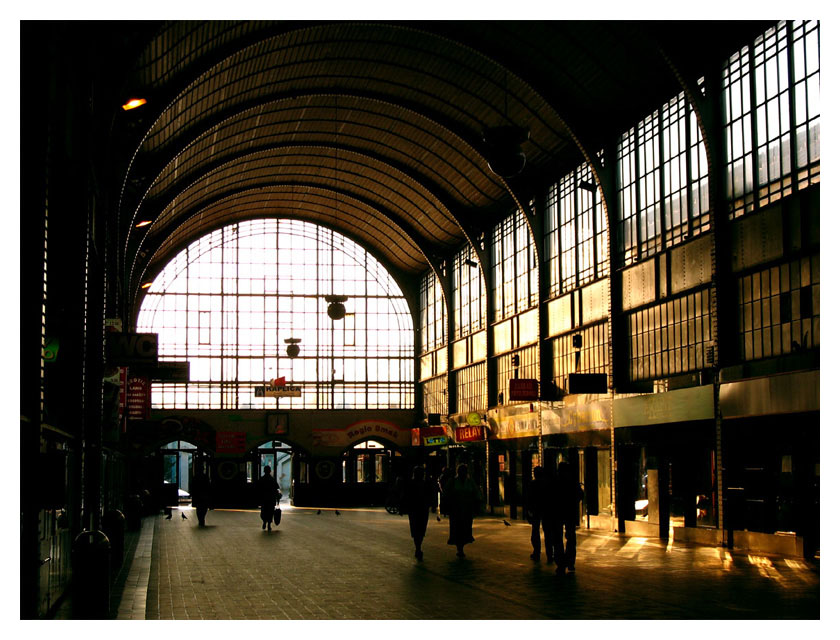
x,y
278,456
179,458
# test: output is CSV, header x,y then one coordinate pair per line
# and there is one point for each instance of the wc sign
x,y
125,349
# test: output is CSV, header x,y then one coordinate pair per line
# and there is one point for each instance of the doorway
x,y
179,459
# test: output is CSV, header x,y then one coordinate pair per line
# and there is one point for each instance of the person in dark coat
x,y
418,496
461,498
445,476
200,491
538,512
569,495
268,493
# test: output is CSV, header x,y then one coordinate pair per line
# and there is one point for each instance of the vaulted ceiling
x,y
371,128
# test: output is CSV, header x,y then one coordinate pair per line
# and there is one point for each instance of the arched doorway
x,y
179,460
277,455
369,469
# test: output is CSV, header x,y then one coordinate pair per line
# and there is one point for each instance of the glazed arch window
x,y
228,301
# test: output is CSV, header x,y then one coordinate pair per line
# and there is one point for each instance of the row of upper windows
x,y
772,146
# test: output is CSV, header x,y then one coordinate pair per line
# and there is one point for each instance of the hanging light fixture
x,y
293,350
502,143
336,310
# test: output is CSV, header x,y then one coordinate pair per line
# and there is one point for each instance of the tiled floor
x,y
360,565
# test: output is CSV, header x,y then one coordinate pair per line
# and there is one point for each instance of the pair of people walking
x,y
552,503
460,501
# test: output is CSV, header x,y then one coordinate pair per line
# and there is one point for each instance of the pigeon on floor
x,y
184,516
337,513
168,513
318,512
507,524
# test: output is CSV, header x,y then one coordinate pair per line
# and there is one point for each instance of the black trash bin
x,y
91,576
113,525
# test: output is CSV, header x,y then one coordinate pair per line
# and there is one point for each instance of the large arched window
x,y
230,300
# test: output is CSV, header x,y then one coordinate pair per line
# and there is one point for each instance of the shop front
x,y
771,446
527,435
666,465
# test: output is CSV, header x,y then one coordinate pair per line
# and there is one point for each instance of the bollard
x,y
91,576
113,524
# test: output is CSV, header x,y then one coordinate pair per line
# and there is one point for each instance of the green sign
x,y
51,349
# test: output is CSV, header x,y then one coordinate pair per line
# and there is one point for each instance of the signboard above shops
x,y
138,398
429,437
523,389
277,391
126,349
588,383
469,434
231,442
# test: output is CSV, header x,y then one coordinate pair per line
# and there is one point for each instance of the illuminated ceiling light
x,y
134,103
145,285
143,223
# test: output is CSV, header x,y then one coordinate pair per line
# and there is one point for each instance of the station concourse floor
x,y
360,565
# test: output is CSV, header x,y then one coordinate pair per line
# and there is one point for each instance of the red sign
x,y
428,432
469,434
230,442
524,389
138,398
123,389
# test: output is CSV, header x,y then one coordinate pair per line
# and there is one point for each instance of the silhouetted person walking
x,y
418,496
445,476
200,494
268,493
538,511
461,499
569,494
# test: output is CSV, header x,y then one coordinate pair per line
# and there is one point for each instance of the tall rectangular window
x,y
513,266
432,314
471,384
771,92
663,181
469,298
575,241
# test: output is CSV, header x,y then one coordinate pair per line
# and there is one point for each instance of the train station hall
x,y
463,320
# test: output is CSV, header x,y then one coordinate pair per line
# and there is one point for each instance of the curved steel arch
x,y
159,262
208,64
202,205
445,205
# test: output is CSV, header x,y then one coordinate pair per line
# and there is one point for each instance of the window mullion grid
x,y
792,139
236,368
693,223
753,110
637,249
577,219
659,242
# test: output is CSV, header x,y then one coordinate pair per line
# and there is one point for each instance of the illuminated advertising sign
x,y
469,434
